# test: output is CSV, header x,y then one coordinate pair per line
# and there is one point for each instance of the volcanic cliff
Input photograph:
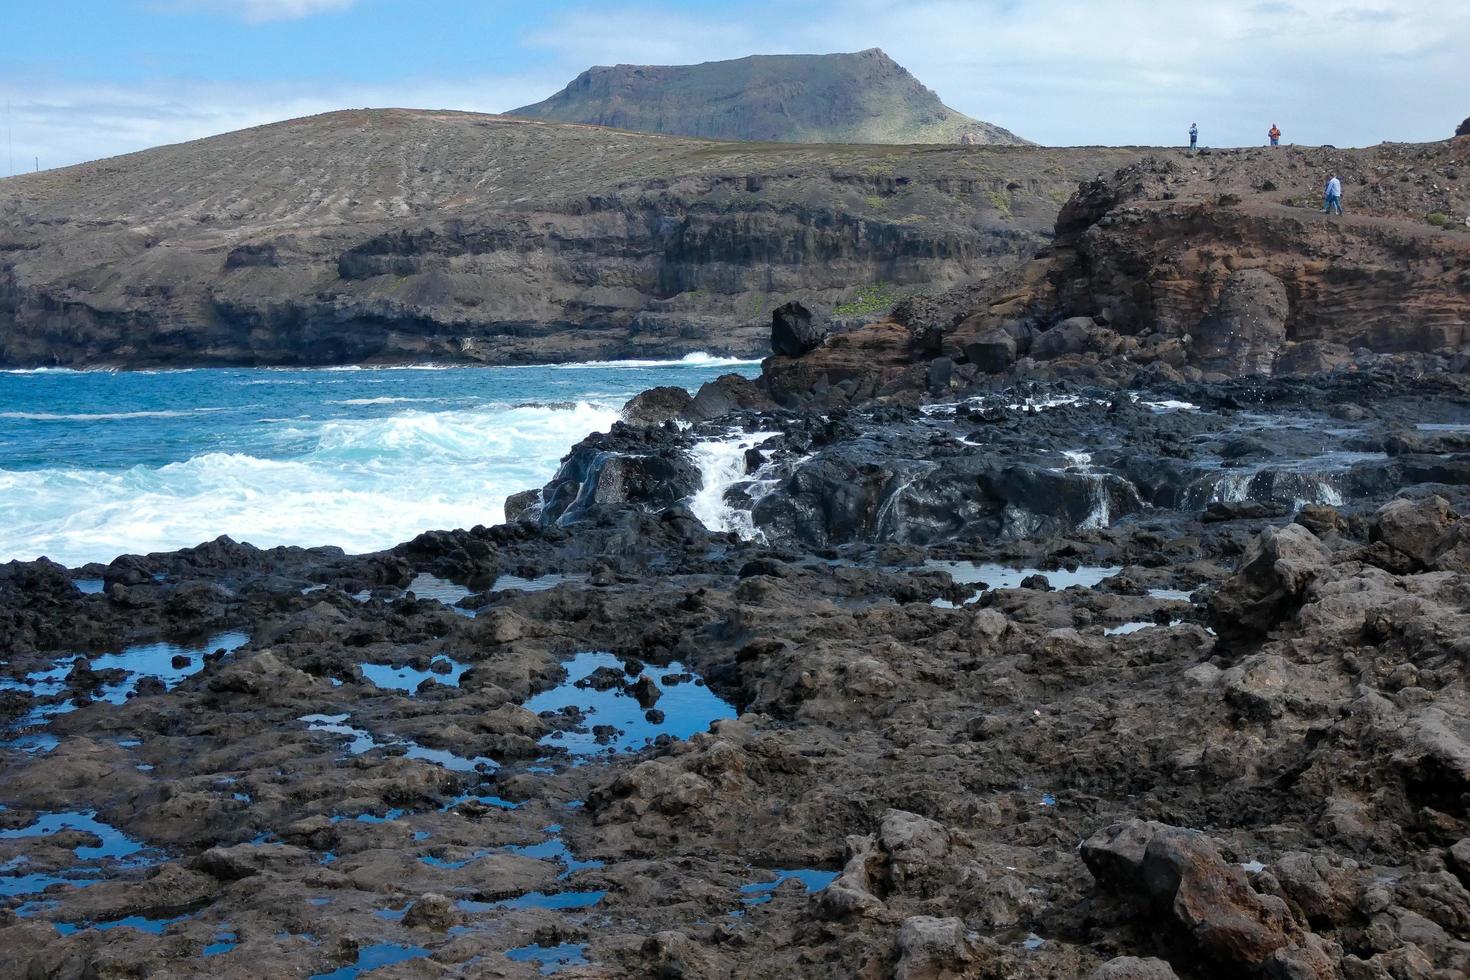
x,y
1182,268
399,235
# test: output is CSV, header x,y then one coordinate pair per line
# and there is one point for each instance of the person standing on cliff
x,y
1274,135
1193,137
1332,196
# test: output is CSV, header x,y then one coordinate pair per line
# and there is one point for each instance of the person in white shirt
x,y
1332,196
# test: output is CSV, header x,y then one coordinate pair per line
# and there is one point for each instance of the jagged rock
x,y
262,675
523,506
1181,872
915,845
657,405
1413,527
852,892
931,948
431,911
675,956
1464,128
1134,968
727,393
1270,584
795,331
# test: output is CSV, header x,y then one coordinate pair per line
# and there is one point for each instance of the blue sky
x,y
92,78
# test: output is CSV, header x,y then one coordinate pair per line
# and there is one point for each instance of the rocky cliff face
x,y
398,235
864,97
1188,269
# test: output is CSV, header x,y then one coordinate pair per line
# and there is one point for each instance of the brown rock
x,y
1184,872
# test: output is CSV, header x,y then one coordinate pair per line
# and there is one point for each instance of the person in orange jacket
x,y
1275,135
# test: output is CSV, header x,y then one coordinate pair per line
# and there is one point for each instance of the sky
x,y
85,79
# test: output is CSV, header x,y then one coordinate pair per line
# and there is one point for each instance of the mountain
x,y
400,235
865,97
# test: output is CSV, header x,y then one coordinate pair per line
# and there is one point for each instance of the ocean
x,y
98,464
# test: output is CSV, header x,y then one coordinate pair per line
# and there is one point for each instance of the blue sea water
x,y
98,464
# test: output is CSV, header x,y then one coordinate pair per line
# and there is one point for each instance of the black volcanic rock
x,y
1464,128
794,330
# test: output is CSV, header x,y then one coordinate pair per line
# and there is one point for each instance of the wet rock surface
x,y
1050,681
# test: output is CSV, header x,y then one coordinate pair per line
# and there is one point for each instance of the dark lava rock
x,y
726,394
795,331
1076,335
180,662
1464,128
992,352
645,691
1239,510
1271,583
657,405
941,370
602,679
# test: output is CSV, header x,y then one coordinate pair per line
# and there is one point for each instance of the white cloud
x,y
259,11
1082,71
63,123
1348,72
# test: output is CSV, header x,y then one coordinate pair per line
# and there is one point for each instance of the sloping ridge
x,y
393,235
864,97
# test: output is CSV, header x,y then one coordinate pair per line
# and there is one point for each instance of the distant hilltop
x,y
865,97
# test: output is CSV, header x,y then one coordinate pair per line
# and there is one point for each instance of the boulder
x,y
1181,874
1271,582
1076,335
852,893
431,911
727,393
930,948
657,405
992,352
1414,527
795,331
1247,327
249,860
523,506
1464,128
915,845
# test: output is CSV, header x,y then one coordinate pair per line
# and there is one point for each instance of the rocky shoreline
x,y
894,662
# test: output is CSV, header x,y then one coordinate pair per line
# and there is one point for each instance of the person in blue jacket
x,y
1332,196
1193,137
